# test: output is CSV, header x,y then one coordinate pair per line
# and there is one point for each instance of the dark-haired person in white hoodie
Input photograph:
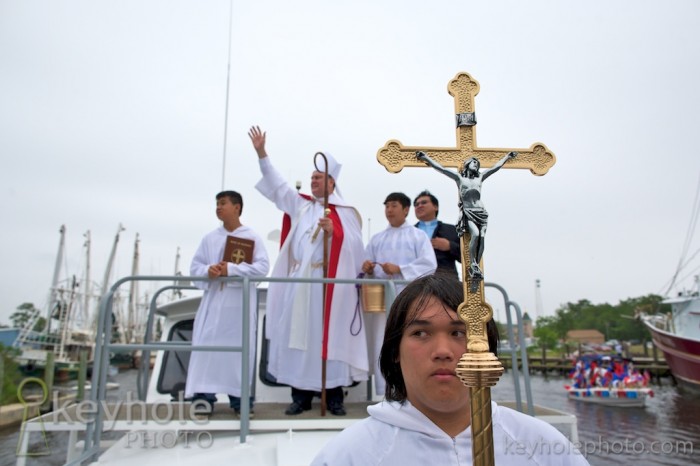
x,y
426,416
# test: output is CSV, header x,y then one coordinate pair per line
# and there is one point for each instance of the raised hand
x,y
257,137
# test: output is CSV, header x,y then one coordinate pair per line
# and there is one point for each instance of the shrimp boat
x,y
64,332
677,335
155,425
69,325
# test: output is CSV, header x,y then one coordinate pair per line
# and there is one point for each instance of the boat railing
x,y
144,367
513,353
104,346
661,321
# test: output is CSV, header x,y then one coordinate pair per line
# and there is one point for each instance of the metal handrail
x,y
513,353
103,346
143,369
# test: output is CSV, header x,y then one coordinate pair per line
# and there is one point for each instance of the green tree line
x,y
614,321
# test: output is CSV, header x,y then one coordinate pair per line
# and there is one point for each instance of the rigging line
x,y
228,87
693,222
688,238
685,264
691,273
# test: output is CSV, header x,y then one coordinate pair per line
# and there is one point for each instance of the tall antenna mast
x,y
228,86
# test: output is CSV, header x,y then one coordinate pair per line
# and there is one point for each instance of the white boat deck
x,y
178,426
160,431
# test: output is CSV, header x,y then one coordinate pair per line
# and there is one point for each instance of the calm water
x,y
611,436
665,432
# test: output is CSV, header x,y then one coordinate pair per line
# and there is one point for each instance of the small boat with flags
x,y
609,381
621,397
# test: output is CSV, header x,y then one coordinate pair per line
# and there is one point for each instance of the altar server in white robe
x,y
426,417
219,319
295,311
400,252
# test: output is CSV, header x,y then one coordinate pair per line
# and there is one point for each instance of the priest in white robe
x,y
219,319
297,319
400,252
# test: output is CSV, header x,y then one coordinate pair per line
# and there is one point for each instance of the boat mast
x,y
65,322
110,262
128,330
176,293
53,291
108,270
86,282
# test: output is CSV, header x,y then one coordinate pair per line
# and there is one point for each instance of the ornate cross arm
x,y
394,156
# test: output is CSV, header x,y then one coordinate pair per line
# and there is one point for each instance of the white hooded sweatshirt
x,y
399,434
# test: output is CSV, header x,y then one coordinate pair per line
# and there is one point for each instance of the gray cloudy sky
x,y
113,111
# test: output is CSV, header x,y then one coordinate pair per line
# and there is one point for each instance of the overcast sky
x,y
113,112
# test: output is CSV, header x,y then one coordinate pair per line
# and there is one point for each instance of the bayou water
x,y
665,432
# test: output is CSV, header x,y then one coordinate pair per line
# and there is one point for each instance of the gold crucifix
x,y
479,369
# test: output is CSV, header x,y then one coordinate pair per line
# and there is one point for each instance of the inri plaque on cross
x,y
479,369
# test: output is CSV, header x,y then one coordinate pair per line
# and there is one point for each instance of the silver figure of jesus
x,y
472,215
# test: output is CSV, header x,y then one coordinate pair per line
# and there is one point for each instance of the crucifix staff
x,y
478,369
326,212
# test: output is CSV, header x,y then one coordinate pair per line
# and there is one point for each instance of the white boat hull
x,y
622,397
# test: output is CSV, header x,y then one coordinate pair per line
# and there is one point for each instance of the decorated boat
x,y
608,380
622,397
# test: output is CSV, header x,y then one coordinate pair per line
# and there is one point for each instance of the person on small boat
x,y
603,371
219,317
426,416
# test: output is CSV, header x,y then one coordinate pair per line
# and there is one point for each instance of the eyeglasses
x,y
423,202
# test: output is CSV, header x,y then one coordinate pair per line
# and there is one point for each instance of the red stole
x,y
333,258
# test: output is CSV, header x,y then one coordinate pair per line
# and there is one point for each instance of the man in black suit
x,y
443,236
